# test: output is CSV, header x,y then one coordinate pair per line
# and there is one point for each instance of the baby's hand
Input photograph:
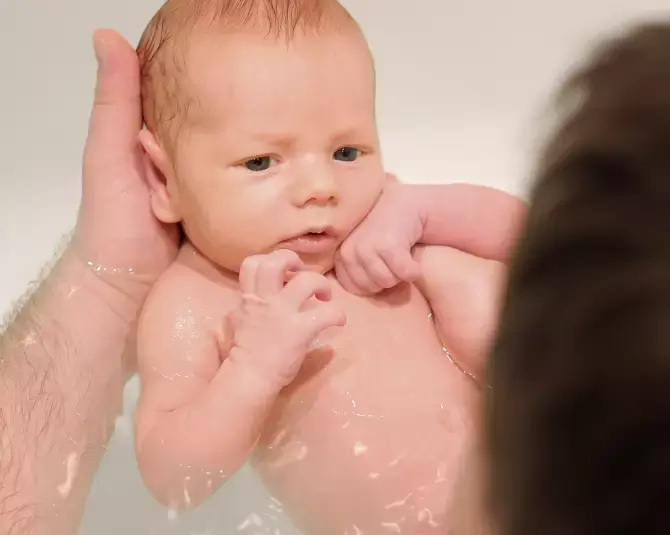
x,y
378,253
277,321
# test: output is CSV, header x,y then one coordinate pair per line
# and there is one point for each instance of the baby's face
x,y
281,150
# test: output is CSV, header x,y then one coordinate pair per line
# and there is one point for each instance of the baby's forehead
x,y
202,58
255,74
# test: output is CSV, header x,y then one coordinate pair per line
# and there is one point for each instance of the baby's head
x,y
261,126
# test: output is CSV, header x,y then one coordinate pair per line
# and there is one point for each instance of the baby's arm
x,y
207,391
199,415
464,292
478,220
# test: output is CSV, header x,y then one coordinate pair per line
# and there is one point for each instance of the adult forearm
x,y
62,377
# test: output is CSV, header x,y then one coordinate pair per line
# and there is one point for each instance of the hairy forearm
x,y
62,376
478,220
189,452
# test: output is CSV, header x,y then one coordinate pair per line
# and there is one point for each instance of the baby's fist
x,y
378,253
277,321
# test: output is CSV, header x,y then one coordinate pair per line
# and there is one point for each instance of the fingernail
x,y
99,48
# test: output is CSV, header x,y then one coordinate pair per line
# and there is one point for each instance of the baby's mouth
x,y
312,242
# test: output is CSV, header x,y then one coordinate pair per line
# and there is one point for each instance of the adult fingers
x,y
116,117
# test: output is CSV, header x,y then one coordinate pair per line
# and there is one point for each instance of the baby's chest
x,y
379,393
386,363
388,335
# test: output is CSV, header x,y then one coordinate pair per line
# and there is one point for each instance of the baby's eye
x,y
262,163
347,154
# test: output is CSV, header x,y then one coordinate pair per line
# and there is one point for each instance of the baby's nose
x,y
318,186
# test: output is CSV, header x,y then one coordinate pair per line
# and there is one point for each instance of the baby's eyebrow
x,y
275,137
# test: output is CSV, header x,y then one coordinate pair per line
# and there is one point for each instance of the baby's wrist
x,y
253,382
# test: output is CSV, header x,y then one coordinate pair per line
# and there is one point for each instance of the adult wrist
x,y
120,287
78,306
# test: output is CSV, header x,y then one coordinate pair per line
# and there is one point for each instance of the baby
x,y
261,142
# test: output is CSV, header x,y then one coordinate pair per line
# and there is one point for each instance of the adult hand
x,y
64,358
116,231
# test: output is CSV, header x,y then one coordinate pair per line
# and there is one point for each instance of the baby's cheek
x,y
362,200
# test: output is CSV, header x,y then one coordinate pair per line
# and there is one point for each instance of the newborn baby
x,y
261,142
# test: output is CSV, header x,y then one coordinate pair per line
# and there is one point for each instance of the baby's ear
x,y
164,201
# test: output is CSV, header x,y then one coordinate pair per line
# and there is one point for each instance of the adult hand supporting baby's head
x,y
116,230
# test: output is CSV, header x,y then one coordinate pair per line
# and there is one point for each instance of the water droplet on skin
x,y
441,469
292,452
425,515
71,469
277,439
395,461
360,449
29,340
398,503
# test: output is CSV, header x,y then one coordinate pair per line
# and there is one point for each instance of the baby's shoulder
x,y
185,299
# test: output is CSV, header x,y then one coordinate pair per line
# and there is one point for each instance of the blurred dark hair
x,y
578,417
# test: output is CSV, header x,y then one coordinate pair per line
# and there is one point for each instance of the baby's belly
x,y
371,443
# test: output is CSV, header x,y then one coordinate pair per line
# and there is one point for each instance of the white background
x,y
462,88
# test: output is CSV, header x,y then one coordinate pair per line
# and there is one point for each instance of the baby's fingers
x,y
401,264
303,286
378,272
355,279
321,317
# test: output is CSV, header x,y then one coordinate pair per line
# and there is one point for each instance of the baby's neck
x,y
191,258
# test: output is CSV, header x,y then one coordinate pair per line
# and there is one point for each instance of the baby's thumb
x,y
406,268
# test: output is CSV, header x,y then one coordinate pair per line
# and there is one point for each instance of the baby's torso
x,y
370,436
